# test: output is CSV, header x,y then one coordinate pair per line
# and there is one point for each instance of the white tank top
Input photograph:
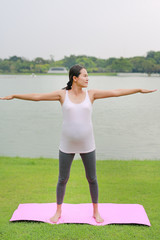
x,y
77,130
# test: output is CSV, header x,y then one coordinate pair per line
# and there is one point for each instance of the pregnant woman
x,y
77,131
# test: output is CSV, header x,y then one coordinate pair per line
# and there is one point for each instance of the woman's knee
x,y
63,180
92,179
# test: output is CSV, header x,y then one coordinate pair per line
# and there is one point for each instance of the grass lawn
x,y
25,180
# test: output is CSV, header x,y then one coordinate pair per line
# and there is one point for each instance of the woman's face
x,y
82,79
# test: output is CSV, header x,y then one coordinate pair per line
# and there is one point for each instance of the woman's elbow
x,y
36,97
116,93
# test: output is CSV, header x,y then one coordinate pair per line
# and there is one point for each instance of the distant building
x,y
57,70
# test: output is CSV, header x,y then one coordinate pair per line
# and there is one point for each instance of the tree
x,y
39,60
150,54
149,66
121,65
157,57
15,59
137,64
5,66
69,61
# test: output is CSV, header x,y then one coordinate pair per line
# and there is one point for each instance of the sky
x,y
58,28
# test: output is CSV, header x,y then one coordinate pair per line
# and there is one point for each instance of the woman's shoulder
x,y
91,90
62,91
91,93
62,94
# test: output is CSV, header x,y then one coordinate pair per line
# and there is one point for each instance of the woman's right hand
x,y
10,97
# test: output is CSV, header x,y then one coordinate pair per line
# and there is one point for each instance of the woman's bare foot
x,y
56,216
96,214
98,217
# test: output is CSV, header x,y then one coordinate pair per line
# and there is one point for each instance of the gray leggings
x,y
65,161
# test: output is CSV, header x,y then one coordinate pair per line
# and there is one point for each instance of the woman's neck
x,y
76,89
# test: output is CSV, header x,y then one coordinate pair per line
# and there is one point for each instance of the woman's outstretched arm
x,y
97,94
53,96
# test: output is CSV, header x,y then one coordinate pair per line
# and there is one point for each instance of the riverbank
x,y
34,180
47,74
90,74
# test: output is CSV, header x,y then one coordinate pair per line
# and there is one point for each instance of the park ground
x,y
28,180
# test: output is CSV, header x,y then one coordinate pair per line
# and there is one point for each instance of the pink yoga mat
x,y
82,213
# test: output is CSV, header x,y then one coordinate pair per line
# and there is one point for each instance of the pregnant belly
x,y
77,132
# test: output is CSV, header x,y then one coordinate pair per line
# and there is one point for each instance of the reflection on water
x,y
126,127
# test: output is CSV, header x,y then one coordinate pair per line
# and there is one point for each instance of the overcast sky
x,y
100,28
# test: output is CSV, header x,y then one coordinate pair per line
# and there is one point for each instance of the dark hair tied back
x,y
69,85
74,71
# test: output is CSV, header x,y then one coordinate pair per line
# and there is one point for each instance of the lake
x,y
126,127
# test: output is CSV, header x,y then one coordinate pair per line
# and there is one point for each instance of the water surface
x,y
126,127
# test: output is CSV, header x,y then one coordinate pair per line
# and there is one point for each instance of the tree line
x,y
148,64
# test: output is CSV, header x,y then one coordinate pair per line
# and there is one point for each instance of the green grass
x,y
102,74
25,180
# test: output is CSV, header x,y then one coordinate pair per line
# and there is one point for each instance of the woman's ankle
x,y
95,208
59,208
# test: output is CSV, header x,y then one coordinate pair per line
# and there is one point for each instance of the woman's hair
x,y
74,71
